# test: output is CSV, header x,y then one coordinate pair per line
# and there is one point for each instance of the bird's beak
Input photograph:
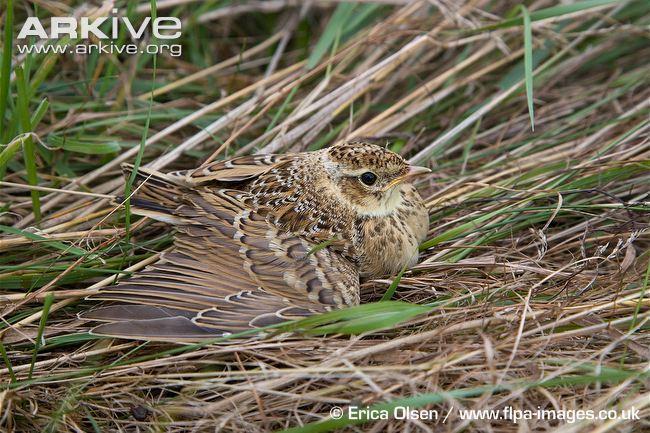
x,y
414,171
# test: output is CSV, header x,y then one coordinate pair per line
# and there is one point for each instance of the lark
x,y
267,238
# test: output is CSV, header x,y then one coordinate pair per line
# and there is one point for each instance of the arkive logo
x,y
162,27
86,28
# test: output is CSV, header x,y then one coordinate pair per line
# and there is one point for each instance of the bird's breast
x,y
388,243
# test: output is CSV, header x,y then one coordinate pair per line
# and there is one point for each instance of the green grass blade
x,y
45,241
49,299
528,64
551,12
45,68
7,362
29,150
282,109
393,285
335,26
5,66
9,151
40,112
88,145
458,230
143,140
357,320
322,245
644,289
92,421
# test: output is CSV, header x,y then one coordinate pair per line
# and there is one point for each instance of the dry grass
x,y
534,275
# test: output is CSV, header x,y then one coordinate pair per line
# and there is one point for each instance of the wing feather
x,y
230,269
240,169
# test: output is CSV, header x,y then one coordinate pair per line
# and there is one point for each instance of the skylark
x,y
267,238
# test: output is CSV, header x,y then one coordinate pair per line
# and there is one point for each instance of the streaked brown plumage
x,y
246,229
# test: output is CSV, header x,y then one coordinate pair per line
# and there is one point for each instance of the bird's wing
x,y
240,169
230,269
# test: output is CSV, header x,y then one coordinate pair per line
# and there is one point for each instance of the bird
x,y
262,239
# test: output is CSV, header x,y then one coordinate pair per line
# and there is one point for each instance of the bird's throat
x,y
385,205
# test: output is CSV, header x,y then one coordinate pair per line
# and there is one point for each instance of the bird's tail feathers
x,y
153,194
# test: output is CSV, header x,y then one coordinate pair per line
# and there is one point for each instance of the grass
x,y
5,70
532,286
528,64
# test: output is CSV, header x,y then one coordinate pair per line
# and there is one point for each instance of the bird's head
x,y
369,177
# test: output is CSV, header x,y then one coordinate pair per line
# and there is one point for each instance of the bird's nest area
x,y
531,292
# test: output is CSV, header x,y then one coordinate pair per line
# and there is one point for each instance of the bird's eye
x,y
368,178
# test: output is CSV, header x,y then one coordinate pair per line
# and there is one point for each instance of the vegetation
x,y
533,286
